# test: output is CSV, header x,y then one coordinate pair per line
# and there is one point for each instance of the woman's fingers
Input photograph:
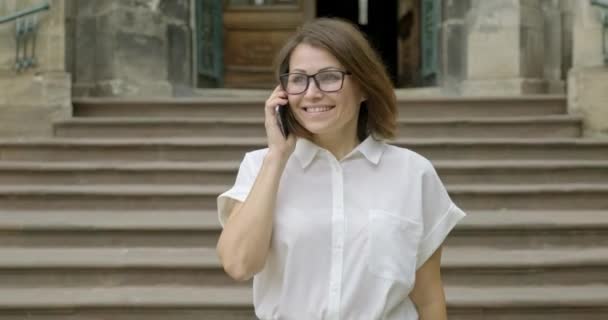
x,y
277,97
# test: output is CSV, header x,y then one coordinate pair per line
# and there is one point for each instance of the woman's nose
x,y
313,89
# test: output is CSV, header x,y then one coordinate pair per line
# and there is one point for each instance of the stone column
x,y
454,45
587,35
31,100
587,94
553,46
567,12
505,48
132,48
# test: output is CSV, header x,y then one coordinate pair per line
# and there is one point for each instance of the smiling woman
x,y
331,221
332,44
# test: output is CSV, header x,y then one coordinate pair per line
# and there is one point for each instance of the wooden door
x,y
254,31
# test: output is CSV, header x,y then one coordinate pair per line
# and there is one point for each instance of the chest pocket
x,y
393,245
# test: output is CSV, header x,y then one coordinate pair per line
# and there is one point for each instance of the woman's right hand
x,y
277,144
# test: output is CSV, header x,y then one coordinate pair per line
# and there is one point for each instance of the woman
x,y
333,223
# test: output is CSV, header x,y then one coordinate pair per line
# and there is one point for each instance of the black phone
x,y
281,112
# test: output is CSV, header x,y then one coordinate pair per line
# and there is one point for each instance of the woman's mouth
x,y
318,109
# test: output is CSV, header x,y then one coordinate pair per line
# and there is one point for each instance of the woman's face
x,y
324,113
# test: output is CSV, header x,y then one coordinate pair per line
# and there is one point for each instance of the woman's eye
x,y
298,79
330,76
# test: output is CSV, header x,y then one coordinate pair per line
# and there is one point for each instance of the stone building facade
x,y
151,48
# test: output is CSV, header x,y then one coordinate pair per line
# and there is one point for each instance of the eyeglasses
x,y
326,81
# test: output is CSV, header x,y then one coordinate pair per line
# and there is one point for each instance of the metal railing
x,y
603,4
26,29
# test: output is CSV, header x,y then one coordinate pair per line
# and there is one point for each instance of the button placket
x,y
335,283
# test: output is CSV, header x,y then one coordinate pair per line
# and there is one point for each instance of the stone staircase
x,y
114,218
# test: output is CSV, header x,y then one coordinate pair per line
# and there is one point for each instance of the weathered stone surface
x,y
139,47
567,40
456,10
493,54
85,47
140,57
531,17
587,36
552,40
33,99
179,68
175,9
514,45
50,39
454,59
104,57
7,50
531,52
123,88
138,21
491,15
503,87
94,8
587,96
31,102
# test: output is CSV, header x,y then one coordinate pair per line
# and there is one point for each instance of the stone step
x,y
138,197
232,149
551,302
213,303
224,173
532,229
564,126
111,267
200,228
110,197
109,228
531,197
487,267
427,107
99,173
106,267
523,171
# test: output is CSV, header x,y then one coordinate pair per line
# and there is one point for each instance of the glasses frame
x,y
314,78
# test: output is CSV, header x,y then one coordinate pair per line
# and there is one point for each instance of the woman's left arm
x,y
428,295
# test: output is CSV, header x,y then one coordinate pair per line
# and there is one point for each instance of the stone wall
x,y
131,47
32,99
502,47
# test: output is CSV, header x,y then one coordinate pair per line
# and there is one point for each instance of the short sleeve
x,y
245,178
439,215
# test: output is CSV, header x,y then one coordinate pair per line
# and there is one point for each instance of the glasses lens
x,y
330,80
294,82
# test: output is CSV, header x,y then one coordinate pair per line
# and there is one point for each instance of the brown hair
x,y
378,114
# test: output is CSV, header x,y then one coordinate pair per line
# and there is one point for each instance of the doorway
x,y
381,32
394,30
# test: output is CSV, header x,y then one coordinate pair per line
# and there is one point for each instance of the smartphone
x,y
281,112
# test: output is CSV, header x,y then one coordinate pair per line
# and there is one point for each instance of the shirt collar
x,y
370,148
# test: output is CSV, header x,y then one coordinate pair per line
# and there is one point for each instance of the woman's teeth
x,y
317,109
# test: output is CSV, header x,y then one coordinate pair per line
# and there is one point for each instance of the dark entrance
x,y
381,28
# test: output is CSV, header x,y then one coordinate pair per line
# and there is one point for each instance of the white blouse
x,y
348,235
